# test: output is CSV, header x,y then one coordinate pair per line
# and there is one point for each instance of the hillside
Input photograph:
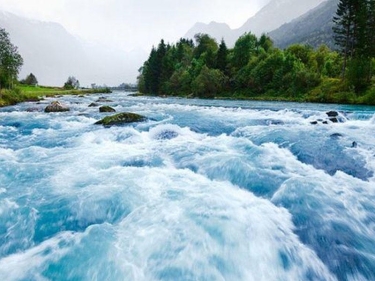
x,y
314,28
270,17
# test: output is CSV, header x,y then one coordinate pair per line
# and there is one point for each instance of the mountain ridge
x,y
268,18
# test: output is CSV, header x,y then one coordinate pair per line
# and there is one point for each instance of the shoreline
x,y
30,94
260,98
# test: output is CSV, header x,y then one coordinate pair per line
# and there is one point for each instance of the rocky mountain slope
x,y
313,28
270,17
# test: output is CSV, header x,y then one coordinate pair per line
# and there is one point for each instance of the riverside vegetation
x,y
13,91
255,69
22,93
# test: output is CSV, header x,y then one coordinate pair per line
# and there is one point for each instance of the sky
x,y
133,24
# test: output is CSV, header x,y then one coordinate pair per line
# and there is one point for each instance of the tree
x,y
344,34
353,29
31,80
244,47
206,49
10,61
222,57
71,83
208,83
265,43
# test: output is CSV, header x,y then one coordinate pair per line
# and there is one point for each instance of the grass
x,y
23,93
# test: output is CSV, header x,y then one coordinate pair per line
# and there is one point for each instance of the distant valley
x,y
53,54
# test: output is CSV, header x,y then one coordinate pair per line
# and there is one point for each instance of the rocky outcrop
x,y
106,108
333,117
121,118
56,106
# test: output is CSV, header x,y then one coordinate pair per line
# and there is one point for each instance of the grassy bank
x,y
34,93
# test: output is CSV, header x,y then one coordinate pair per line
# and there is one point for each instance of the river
x,y
203,190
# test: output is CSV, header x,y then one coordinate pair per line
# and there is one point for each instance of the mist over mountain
x,y
270,17
313,28
52,54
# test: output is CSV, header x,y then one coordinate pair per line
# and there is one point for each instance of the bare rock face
x,y
56,106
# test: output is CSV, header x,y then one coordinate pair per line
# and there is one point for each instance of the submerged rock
x,y
32,109
106,108
93,104
104,99
336,135
56,106
121,118
334,120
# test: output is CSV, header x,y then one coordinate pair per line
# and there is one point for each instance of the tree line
x,y
254,67
354,31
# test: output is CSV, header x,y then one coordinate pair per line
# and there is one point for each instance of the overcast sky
x,y
130,24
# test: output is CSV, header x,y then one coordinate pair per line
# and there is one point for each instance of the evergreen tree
x,y
371,26
31,80
353,36
265,43
344,30
222,57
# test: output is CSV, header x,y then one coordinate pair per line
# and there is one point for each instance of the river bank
x,y
35,93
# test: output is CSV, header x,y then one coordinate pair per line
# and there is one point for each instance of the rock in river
x,y
103,99
121,118
106,108
56,106
332,113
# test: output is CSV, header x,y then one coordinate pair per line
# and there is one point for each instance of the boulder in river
x,y
332,113
121,118
56,106
106,108
93,104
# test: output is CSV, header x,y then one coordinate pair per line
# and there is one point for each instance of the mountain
x,y
313,28
270,17
214,29
52,54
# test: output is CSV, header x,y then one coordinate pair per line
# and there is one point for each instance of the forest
x,y
255,69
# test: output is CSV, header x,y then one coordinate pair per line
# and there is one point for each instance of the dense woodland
x,y
254,68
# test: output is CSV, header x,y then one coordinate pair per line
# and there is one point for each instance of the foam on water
x,y
209,191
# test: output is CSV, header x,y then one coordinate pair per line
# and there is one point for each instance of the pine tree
x,y
31,80
353,35
370,33
222,57
371,27
343,30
